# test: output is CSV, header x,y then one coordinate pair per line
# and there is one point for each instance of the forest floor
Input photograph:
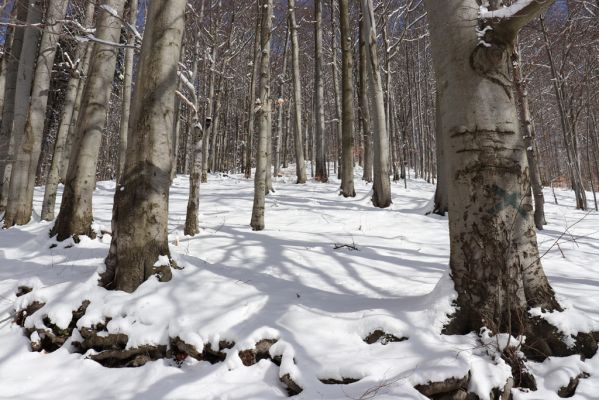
x,y
325,274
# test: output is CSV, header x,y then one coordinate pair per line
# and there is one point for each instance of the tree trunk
x,y
252,94
127,87
268,185
7,67
364,107
140,214
193,203
529,139
495,264
211,107
336,91
441,206
321,168
381,196
264,108
280,111
72,134
567,128
347,119
55,173
24,83
22,182
12,57
75,217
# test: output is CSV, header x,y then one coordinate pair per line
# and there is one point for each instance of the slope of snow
x,y
289,283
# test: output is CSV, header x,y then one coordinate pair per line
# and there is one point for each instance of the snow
x,y
505,12
287,283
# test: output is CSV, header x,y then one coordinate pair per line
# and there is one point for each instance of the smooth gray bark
x,y
75,217
319,137
12,57
64,127
347,104
364,106
72,133
22,182
140,215
300,164
24,82
263,111
441,206
529,136
494,260
127,88
381,196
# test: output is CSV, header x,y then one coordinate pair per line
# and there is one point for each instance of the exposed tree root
x,y
544,340
260,352
292,387
50,337
452,388
570,389
521,376
382,337
135,357
23,314
217,355
342,381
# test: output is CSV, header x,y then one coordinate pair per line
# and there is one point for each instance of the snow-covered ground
x,y
290,283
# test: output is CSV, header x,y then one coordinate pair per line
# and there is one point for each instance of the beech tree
x,y
75,217
263,110
140,215
495,263
12,56
300,167
319,137
15,125
347,119
68,118
381,196
22,182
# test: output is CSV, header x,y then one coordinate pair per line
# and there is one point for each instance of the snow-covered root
x,y
52,322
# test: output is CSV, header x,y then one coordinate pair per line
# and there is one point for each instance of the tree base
x,y
542,339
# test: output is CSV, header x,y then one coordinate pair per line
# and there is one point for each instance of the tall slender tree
x,y
75,217
22,96
321,174
300,165
127,88
381,196
347,115
78,70
10,88
263,108
22,182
